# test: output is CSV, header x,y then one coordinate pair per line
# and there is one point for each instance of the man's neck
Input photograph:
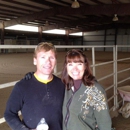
x,y
43,77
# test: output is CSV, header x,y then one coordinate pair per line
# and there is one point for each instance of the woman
x,y
85,105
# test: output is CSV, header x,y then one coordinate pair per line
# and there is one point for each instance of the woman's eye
x,y
79,63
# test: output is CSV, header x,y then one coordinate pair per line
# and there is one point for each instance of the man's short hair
x,y
44,46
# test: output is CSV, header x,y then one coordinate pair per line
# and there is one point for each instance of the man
x,y
40,97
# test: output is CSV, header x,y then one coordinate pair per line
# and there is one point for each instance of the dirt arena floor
x,y
14,66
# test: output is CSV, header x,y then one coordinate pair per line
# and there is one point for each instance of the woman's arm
x,y
102,115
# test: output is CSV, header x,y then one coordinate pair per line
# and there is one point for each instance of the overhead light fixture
x,y
75,4
46,23
115,18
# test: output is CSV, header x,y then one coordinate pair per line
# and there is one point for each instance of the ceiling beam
x,y
86,23
50,27
97,2
107,26
84,10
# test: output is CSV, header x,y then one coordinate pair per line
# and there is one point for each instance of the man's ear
x,y
34,61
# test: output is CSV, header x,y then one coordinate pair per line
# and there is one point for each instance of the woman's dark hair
x,y
76,55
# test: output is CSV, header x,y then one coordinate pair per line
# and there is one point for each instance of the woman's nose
x,y
75,68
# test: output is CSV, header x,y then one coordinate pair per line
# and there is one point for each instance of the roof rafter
x,y
85,10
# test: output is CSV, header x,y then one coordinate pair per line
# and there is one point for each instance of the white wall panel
x,y
95,33
110,32
99,38
110,37
93,38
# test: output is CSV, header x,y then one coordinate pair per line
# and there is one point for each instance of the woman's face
x,y
75,70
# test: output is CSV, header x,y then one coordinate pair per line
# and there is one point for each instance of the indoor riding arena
x,y
100,28
108,68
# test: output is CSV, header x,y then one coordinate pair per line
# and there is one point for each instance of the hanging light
x,y
46,23
75,4
115,18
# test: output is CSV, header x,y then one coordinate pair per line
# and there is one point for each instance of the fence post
x,y
115,50
93,60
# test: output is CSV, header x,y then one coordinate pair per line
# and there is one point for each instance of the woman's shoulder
x,y
99,86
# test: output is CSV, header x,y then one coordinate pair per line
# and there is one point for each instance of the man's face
x,y
45,62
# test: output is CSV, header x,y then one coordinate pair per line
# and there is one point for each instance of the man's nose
x,y
48,60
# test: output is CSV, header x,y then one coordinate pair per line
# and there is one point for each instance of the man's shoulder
x,y
58,81
24,85
24,82
57,78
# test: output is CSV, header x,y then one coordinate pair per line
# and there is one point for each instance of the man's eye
x,y
52,58
69,64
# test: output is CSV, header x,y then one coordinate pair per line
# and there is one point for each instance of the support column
x,y
39,34
105,35
82,41
67,37
2,35
116,31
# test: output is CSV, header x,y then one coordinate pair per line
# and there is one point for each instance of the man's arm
x,y
14,104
